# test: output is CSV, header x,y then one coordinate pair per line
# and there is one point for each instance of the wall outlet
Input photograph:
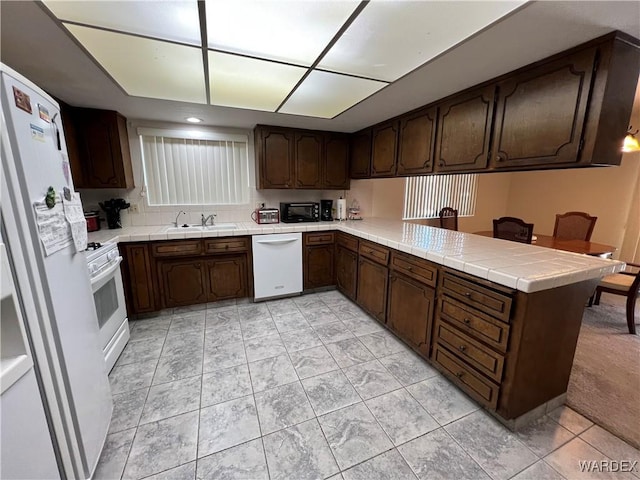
x,y
134,208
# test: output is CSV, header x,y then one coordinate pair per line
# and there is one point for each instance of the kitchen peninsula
x,y
500,319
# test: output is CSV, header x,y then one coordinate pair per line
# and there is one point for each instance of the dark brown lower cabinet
x,y
227,277
318,266
184,282
347,271
373,279
138,279
410,311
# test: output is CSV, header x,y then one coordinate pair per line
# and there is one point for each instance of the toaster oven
x,y
300,212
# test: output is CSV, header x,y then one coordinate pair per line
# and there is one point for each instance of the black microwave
x,y
299,212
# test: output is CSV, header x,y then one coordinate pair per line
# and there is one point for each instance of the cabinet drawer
x,y
478,387
347,241
414,267
180,248
223,245
484,359
321,238
375,252
477,296
474,323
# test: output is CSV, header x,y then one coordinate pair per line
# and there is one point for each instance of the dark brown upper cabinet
x,y
336,166
274,161
308,160
384,149
304,159
98,148
540,114
360,154
417,138
464,131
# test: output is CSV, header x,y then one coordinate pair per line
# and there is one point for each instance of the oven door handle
x,y
107,272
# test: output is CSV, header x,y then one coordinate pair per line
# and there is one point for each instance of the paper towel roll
x,y
342,209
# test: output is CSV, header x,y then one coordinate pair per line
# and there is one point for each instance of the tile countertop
x,y
527,268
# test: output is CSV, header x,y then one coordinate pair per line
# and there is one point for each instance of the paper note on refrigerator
x,y
75,216
54,231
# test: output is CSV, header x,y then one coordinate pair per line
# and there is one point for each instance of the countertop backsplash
x,y
166,215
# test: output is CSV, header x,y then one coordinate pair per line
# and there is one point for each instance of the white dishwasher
x,y
277,265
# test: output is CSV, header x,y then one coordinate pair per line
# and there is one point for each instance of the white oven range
x,y
103,261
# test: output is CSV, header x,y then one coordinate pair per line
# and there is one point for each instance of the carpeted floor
x,y
605,380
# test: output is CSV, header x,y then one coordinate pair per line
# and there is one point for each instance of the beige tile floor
x,y
313,387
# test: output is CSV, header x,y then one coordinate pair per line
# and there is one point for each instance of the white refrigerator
x,y
56,399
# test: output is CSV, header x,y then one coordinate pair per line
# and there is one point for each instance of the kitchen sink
x,y
200,228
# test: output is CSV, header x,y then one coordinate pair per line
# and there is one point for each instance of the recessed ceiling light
x,y
193,120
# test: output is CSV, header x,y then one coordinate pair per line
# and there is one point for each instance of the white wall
x,y
166,215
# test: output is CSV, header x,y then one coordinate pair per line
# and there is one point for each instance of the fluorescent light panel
x,y
326,95
147,68
243,82
177,21
287,31
391,38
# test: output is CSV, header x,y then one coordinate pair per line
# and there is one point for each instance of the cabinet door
x,y
360,154
464,126
227,277
183,282
138,278
541,113
410,311
384,150
336,166
318,266
417,138
308,158
275,158
347,271
106,146
72,139
372,288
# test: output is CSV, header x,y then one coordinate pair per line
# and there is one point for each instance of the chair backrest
x,y
449,218
514,229
574,226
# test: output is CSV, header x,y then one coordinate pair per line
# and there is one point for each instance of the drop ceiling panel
x,y
147,68
287,31
243,82
169,20
390,38
325,95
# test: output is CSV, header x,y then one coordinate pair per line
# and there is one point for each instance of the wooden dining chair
x,y
625,283
449,218
574,226
514,229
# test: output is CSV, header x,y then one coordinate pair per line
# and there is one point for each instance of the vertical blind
x,y
424,197
209,170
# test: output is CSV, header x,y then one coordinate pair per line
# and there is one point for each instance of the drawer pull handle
x,y
467,321
467,294
410,269
462,348
459,374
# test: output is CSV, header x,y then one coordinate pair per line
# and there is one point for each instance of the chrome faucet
x,y
205,220
178,216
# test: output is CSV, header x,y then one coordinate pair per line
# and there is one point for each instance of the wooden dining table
x,y
576,246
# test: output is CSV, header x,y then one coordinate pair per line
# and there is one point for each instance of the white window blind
x,y
194,168
424,197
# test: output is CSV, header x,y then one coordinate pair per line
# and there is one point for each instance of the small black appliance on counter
x,y
326,210
112,209
299,212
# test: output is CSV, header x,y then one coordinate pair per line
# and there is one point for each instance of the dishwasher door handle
x,y
283,240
